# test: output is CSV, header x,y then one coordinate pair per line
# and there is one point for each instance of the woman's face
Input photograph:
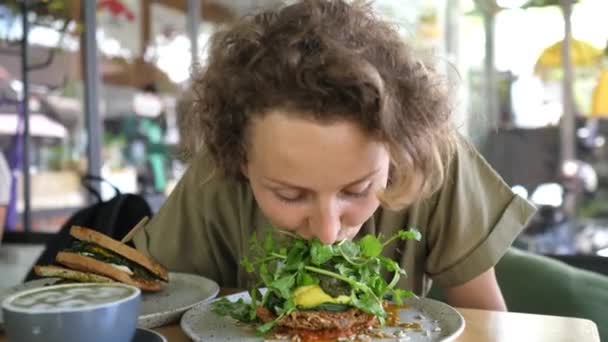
x,y
319,180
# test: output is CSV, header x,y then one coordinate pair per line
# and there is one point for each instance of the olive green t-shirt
x,y
205,225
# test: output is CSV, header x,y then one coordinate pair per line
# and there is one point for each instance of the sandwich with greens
x,y
95,257
315,291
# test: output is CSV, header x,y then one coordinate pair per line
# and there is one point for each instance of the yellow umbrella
x,y
582,54
599,105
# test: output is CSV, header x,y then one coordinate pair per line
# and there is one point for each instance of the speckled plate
x,y
157,309
440,322
184,291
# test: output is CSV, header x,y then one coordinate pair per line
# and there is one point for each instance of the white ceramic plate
x,y
440,323
183,292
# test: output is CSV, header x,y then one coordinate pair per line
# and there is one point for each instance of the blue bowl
x,y
73,313
147,335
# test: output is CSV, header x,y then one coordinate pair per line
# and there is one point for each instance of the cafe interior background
x,y
540,119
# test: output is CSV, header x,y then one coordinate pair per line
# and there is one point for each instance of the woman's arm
x,y
481,292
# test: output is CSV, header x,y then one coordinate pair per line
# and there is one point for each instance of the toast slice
x,y
92,236
69,274
84,263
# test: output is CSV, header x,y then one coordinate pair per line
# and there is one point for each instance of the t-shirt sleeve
x,y
185,234
474,218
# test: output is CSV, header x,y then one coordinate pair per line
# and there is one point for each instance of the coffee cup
x,y
73,313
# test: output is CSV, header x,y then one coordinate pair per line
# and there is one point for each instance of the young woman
x,y
317,118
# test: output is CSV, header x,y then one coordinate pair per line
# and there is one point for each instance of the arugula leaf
x,y
283,285
288,306
264,274
238,310
295,255
273,302
254,294
248,265
345,269
390,265
264,328
320,253
370,246
369,304
399,295
304,278
268,243
349,249
412,234
330,307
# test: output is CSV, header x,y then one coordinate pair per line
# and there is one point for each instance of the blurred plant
x,y
111,139
58,158
113,150
45,9
55,14
594,209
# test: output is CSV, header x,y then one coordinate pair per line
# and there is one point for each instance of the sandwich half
x,y
94,255
71,275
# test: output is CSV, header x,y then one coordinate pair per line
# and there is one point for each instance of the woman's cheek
x,y
356,213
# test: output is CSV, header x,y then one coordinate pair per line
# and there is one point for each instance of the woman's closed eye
x,y
296,196
358,191
289,196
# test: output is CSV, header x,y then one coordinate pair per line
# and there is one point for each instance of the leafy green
x,y
304,278
320,253
351,268
238,310
334,287
399,295
370,246
330,307
283,285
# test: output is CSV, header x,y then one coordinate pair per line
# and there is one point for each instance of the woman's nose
x,y
325,223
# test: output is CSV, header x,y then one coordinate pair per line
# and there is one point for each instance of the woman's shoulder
x,y
208,190
202,200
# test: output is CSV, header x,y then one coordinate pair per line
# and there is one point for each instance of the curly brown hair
x,y
327,60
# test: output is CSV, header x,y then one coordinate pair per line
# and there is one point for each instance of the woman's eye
x,y
356,193
289,197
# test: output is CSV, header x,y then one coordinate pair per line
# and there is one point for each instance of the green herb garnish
x,y
351,268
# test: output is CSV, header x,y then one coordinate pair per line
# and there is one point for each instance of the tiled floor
x,y
16,261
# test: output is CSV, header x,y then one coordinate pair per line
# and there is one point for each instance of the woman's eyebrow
x,y
349,184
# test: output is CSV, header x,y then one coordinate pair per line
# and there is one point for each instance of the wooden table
x,y
486,326
491,326
482,326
